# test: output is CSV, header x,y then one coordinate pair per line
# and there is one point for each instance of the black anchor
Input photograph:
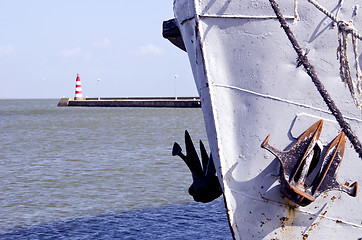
x,y
206,186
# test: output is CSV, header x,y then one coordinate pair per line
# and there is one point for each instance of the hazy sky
x,y
45,43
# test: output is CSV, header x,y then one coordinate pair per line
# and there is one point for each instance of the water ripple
x,y
183,221
81,163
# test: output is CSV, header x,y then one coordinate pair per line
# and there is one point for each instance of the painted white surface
x,y
246,75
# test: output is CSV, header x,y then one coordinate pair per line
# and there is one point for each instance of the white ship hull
x,y
245,71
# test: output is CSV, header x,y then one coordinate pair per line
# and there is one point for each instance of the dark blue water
x,y
99,173
183,221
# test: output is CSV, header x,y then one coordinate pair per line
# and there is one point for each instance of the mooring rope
x,y
303,60
334,18
344,69
344,30
296,15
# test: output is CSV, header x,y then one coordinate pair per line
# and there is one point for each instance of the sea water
x,y
100,173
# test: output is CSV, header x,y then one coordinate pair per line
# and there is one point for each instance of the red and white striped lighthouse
x,y
78,89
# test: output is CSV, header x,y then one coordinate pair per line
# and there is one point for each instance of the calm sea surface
x,y
99,173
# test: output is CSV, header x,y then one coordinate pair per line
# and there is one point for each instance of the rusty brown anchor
x,y
301,160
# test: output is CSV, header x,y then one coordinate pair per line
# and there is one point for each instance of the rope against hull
x,y
344,30
334,18
303,60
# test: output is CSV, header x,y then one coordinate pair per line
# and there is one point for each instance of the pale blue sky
x,y
45,43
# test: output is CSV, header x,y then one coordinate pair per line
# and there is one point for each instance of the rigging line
x,y
303,60
334,18
296,15
344,29
345,72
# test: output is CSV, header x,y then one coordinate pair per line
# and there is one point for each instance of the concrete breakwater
x,y
168,102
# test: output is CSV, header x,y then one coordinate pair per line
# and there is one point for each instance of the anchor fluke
x,y
327,178
206,186
176,150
